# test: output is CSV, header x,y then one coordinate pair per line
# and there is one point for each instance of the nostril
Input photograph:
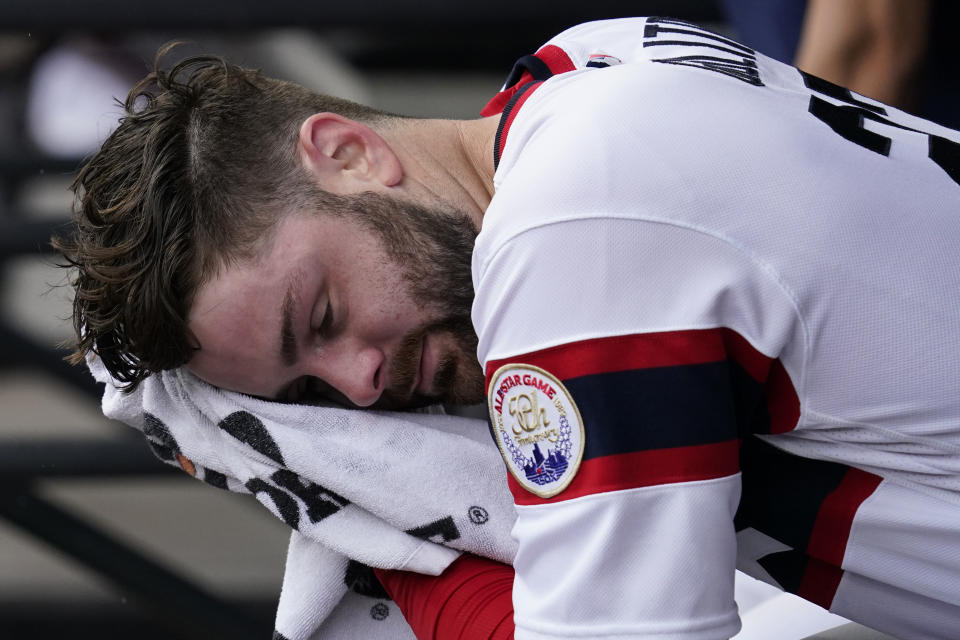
x,y
376,378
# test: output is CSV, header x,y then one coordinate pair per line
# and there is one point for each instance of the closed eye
x,y
327,323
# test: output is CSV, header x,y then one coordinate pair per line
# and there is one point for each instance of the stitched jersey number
x,y
847,120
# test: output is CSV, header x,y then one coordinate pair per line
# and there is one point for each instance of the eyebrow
x,y
288,339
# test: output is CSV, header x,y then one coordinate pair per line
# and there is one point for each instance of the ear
x,y
346,156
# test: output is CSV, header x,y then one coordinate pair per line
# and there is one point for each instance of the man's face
x,y
368,305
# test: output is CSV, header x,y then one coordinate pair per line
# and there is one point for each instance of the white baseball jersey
x,y
718,304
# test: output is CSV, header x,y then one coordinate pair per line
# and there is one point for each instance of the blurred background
x,y
97,538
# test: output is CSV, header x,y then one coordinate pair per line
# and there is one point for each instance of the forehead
x,y
236,314
255,275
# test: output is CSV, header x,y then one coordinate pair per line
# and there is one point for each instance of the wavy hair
x,y
195,177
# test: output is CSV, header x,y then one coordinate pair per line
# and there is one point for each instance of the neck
x,y
450,159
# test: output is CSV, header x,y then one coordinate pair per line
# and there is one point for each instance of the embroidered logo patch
x,y
537,427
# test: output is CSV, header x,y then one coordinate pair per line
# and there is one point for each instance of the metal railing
x,y
166,600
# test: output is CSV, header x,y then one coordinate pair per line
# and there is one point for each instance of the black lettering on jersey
x,y
946,153
739,61
440,531
361,579
847,120
744,69
828,88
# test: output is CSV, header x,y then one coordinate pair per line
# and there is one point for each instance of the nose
x,y
353,369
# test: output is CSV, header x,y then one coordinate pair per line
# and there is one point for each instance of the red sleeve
x,y
471,600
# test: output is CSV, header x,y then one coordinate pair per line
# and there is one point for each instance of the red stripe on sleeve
x,y
668,349
819,583
470,600
783,403
642,469
782,400
828,540
623,353
743,353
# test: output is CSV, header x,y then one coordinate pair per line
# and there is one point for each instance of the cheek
x,y
386,299
233,358
398,314
243,375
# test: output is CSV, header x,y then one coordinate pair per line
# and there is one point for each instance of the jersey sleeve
x,y
470,600
630,341
639,541
662,273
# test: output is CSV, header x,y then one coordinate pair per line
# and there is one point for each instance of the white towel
x,y
359,488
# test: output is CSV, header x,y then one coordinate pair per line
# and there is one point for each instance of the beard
x,y
458,379
432,247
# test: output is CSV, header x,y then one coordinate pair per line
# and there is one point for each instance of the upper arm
x,y
645,355
470,600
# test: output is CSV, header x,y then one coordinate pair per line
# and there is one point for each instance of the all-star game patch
x,y
537,427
